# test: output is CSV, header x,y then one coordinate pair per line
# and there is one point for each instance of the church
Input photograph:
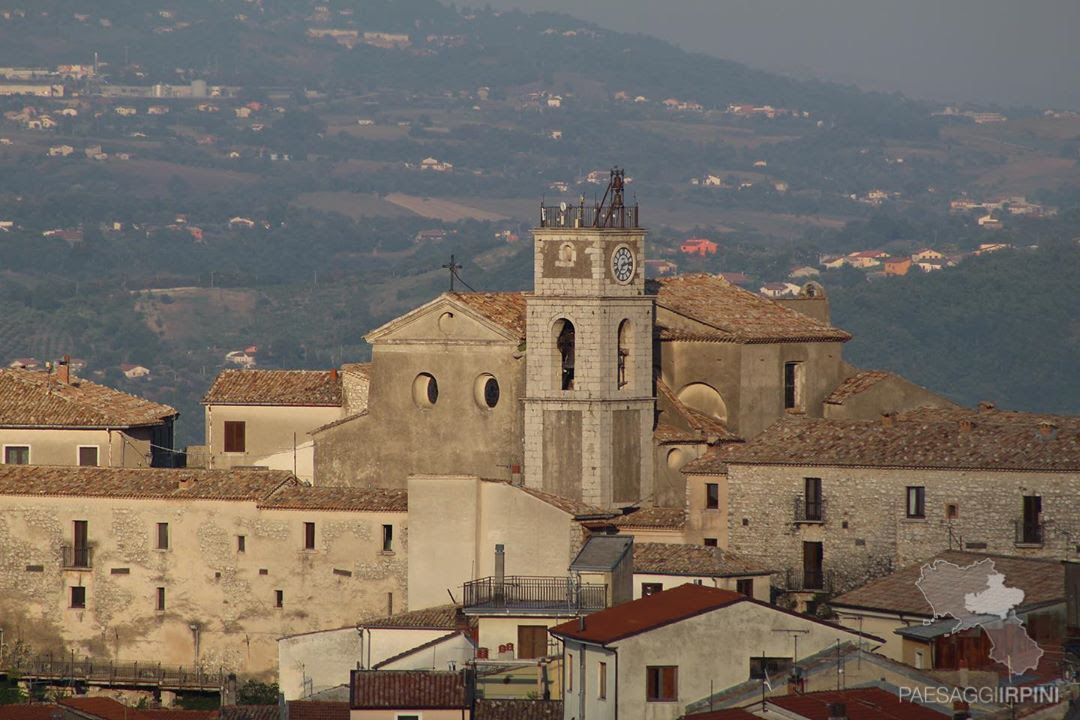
x,y
599,385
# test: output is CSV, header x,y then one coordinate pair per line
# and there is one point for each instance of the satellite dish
x,y
562,206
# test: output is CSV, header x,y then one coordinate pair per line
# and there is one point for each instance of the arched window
x,y
563,330
623,359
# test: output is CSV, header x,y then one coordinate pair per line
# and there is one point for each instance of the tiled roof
x,y
711,463
648,613
363,369
733,314
652,517
276,387
407,689
311,710
192,484
571,507
346,499
37,711
37,399
1041,580
707,428
101,707
857,383
699,560
860,704
169,714
924,437
518,709
728,714
440,617
506,309
414,650
249,712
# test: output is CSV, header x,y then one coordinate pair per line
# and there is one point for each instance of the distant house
x,y
737,278
241,222
430,163
989,222
657,268
714,181
804,271
241,358
832,262
242,112
897,266
866,258
761,163
698,246
927,254
780,289
25,363
60,150
134,371
125,111
433,235
559,186
157,110
986,248
554,101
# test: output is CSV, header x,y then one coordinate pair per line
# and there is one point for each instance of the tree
x,y
257,693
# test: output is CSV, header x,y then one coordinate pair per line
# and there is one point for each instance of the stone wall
x,y
220,604
866,533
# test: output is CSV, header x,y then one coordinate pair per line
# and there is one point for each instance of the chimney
x,y
965,425
500,564
333,374
985,406
888,419
837,711
581,623
63,370
1047,428
515,476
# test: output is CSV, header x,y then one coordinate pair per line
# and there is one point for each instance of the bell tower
x,y
588,399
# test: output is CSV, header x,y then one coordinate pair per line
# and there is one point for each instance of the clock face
x,y
622,264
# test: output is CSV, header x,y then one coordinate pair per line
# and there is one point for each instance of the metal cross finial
x,y
453,268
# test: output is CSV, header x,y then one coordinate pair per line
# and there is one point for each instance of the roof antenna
x,y
453,268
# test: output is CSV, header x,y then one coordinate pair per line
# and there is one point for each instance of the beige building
x,y
662,566
842,501
653,657
190,567
55,418
266,417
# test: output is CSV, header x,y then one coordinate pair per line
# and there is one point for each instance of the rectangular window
x,y
388,538
711,542
916,502
160,599
952,511
80,545
279,598
712,496
812,499
78,597
769,668
532,641
309,536
241,543
1031,532
661,683
16,454
745,586
601,681
88,456
569,673
793,386
235,440
648,589
163,536
813,573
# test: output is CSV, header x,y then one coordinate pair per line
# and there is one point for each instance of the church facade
x,y
597,386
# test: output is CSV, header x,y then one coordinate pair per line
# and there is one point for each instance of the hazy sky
x,y
1005,51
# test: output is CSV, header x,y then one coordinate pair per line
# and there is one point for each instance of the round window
x,y
425,390
487,391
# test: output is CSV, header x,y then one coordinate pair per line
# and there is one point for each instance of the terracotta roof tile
x,y
312,710
648,613
249,712
414,650
502,308
711,463
276,387
728,714
439,617
1041,580
518,709
37,711
691,560
709,429
733,314
346,499
573,507
859,704
857,383
29,398
191,484
925,437
407,689
169,714
651,518
101,707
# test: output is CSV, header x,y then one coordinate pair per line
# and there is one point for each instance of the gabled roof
x,y
859,704
414,650
104,708
31,398
571,507
947,438
440,617
503,312
708,429
346,499
711,463
407,690
143,483
728,714
518,709
732,314
249,712
37,711
1042,580
691,560
602,553
649,518
321,388
857,383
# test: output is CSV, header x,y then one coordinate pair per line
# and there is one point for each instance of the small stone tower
x,y
589,396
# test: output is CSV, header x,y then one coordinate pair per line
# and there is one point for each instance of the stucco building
x,y
56,418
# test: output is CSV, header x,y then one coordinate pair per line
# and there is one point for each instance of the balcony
x,y
589,216
809,511
534,594
808,580
76,557
1029,533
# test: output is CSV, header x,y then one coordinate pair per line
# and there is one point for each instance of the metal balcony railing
x,y
68,668
77,557
809,511
808,580
588,216
1028,533
534,593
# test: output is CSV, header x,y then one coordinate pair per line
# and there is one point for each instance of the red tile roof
x,y
692,560
407,690
707,428
345,499
506,309
656,518
29,398
311,710
733,314
187,483
249,712
728,714
320,388
439,617
857,383
104,708
648,613
860,704
37,711
518,709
